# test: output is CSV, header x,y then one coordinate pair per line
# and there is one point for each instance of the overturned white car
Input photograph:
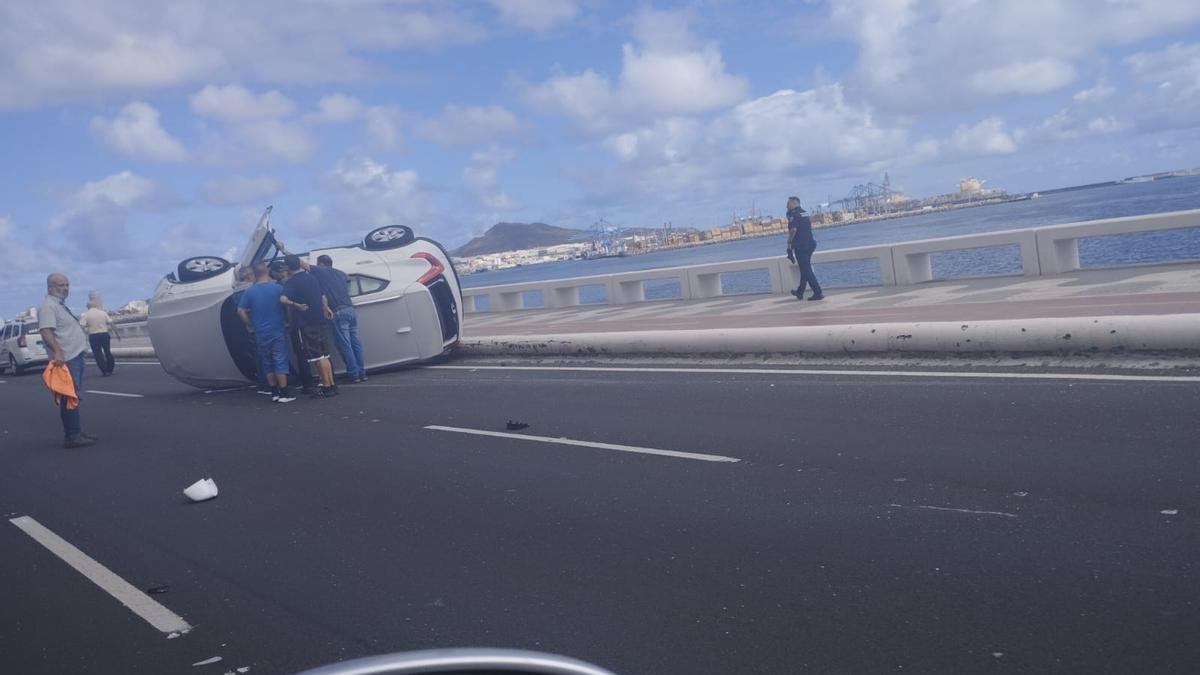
x,y
404,288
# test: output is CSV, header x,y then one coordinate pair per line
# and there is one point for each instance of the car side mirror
x,y
462,662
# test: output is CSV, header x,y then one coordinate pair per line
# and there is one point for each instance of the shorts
x,y
273,354
313,342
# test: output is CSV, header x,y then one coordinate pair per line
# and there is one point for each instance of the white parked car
x,y
404,288
21,346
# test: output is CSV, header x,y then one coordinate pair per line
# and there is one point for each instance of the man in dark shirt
x,y
302,293
800,247
345,320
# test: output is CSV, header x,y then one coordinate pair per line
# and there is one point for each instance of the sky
x,y
138,133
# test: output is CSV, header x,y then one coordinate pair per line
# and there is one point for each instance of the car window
x,y
360,284
7,332
31,328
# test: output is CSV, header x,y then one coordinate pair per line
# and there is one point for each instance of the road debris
x,y
201,490
159,590
205,662
516,426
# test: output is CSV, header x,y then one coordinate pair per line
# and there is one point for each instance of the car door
x,y
261,243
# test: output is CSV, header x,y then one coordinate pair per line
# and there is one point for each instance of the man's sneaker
x,y
818,296
285,398
79,441
266,392
330,392
318,393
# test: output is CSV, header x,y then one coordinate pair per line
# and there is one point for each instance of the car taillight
x,y
435,270
21,342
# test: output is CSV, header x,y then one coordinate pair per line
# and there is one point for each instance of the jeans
x,y
70,418
345,336
807,276
102,352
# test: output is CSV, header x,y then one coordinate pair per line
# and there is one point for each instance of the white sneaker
x,y
275,397
285,399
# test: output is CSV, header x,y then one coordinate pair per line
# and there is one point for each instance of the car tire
x,y
12,365
387,237
201,267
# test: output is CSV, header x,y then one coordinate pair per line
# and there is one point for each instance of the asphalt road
x,y
873,523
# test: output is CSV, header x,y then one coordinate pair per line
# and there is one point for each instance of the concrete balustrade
x,y
913,265
1058,245
1044,251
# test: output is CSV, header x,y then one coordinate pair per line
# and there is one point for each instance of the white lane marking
x,y
861,373
140,363
138,602
113,393
589,444
971,511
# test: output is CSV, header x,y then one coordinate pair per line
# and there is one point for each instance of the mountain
x,y
516,236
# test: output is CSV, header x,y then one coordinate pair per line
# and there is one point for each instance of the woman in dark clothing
x,y
800,248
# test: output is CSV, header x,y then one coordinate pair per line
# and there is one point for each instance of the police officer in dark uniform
x,y
800,247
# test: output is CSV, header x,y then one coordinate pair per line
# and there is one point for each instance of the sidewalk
x,y
1153,307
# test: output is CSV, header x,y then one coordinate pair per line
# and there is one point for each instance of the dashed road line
x,y
703,457
113,393
138,602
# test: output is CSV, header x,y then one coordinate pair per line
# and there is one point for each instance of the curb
x,y
1172,332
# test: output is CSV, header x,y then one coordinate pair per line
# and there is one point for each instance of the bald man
x,y
65,340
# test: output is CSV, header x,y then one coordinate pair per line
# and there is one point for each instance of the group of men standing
x,y
296,304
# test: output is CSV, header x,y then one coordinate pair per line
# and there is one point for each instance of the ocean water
x,y
1173,194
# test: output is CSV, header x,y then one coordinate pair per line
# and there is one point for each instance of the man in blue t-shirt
x,y
262,313
310,309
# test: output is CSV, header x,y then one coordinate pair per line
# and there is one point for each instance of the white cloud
x,y
93,225
913,54
1101,92
987,137
136,132
664,74
367,193
1175,69
468,125
66,50
1065,125
277,139
1024,77
229,190
536,15
482,181
235,103
816,129
336,109
383,129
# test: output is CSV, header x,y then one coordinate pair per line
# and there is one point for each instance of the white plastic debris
x,y
1170,512
201,490
205,662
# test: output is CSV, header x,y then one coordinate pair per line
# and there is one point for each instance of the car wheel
x,y
390,236
202,267
12,365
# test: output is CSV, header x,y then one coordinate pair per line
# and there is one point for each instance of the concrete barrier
x,y
1043,251
1176,332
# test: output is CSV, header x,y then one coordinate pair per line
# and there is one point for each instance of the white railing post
x,y
562,296
704,284
912,268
